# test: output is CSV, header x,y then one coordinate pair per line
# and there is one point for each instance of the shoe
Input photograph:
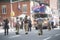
x,y
26,33
17,33
39,34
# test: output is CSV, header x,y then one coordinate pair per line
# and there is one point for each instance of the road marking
x,y
47,38
14,36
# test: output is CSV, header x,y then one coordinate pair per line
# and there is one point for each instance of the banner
x,y
36,8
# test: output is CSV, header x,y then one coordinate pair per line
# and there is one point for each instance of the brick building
x,y
5,9
21,7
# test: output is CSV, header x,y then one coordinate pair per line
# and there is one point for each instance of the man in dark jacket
x,y
29,25
6,26
26,24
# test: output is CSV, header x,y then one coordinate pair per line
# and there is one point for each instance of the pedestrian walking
x,y
29,25
21,23
52,23
39,25
26,24
49,25
6,26
17,26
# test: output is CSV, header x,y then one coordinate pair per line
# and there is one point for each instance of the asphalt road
x,y
53,34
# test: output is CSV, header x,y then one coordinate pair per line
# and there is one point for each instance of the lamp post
x,y
11,14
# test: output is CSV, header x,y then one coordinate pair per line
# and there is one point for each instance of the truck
x,y
44,17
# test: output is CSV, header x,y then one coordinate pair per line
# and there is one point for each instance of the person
x,y
26,24
21,22
35,25
49,25
29,25
39,25
52,24
17,26
6,26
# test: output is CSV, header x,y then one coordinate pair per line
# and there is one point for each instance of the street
x,y
17,16
54,34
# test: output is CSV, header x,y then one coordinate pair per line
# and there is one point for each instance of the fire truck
x,y
44,17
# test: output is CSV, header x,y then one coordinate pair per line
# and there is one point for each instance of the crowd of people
x,y
27,24
18,25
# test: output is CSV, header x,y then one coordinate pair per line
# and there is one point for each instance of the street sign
x,y
12,13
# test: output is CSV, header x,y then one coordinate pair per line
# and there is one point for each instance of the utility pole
x,y
11,14
19,4
11,5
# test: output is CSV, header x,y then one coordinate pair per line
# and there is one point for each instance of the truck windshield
x,y
41,15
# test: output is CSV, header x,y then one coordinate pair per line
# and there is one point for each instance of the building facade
x,y
54,5
17,7
22,7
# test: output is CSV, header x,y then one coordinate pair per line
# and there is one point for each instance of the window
x,y
43,15
40,16
3,9
24,8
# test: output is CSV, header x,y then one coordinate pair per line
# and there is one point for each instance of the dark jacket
x,y
25,20
30,25
6,26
